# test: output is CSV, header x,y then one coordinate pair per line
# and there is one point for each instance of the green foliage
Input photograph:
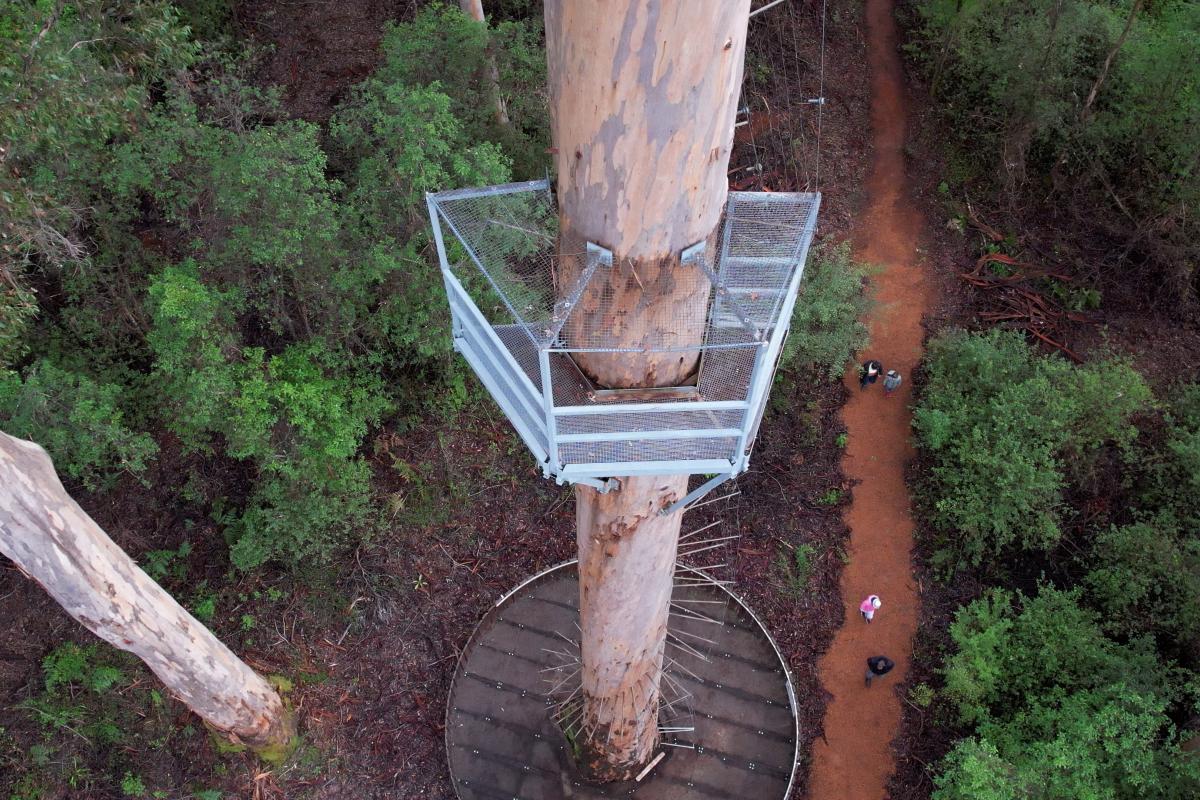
x,y
309,517
1006,429
921,695
1172,472
70,665
1024,88
77,420
400,134
1145,578
827,328
405,142
294,415
191,337
132,785
72,77
218,186
163,564
831,497
796,565
66,664
444,47
18,307
1059,710
204,607
207,19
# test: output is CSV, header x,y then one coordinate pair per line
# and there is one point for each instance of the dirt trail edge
x,y
854,759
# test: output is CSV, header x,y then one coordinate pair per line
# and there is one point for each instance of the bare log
x,y
643,96
55,542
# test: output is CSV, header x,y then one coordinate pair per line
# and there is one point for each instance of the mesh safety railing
x,y
534,313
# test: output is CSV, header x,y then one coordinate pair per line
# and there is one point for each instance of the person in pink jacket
x,y
869,606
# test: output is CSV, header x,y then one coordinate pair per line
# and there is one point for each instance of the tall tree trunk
x,y
474,10
1085,113
1015,147
1108,60
643,95
56,543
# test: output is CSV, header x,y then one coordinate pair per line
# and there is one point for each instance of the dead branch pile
x,y
1011,297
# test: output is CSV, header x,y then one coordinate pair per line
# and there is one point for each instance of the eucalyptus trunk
x,y
56,543
643,96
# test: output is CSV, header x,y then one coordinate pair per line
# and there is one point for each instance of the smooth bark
x,y
55,542
626,568
643,95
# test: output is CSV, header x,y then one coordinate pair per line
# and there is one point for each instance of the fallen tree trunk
x,y
56,543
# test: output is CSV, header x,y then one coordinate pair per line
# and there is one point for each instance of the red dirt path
x,y
853,760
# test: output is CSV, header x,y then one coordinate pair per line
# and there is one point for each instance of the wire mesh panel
x,y
536,314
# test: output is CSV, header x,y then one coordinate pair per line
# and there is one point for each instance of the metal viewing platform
x,y
515,291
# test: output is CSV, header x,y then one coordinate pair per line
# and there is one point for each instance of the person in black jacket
x,y
869,373
877,667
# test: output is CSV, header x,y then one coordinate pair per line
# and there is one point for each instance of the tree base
x,y
738,736
277,744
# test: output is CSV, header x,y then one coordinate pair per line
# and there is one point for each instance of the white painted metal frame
x,y
533,412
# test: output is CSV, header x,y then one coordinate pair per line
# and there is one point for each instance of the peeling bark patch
x,y
655,107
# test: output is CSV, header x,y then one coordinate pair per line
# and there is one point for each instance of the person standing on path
x,y
869,373
877,667
891,381
869,606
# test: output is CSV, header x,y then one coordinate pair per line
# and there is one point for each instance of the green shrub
x,y
196,352
1145,578
18,307
1172,474
297,416
1013,651
77,420
207,19
796,564
403,142
1006,428
132,785
445,47
397,142
258,211
69,664
827,328
306,517
73,77
1058,709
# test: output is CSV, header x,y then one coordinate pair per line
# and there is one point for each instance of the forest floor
x,y
371,643
853,760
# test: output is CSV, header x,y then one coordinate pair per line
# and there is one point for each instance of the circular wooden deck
x,y
729,729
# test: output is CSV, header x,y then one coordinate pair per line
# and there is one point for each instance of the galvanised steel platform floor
x,y
731,722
